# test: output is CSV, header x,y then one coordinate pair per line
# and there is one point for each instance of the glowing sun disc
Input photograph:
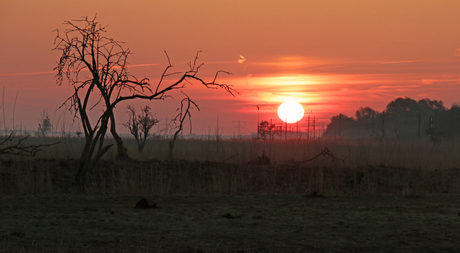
x,y
290,112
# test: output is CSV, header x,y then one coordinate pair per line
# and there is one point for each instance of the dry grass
x,y
283,206
418,155
231,166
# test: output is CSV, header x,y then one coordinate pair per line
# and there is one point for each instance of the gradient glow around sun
x,y
290,112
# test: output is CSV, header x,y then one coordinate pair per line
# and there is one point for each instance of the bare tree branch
x,y
184,112
19,148
86,50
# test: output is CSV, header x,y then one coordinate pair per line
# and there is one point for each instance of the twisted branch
x,y
325,153
20,149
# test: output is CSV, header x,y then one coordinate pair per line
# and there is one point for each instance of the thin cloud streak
x,y
29,74
400,62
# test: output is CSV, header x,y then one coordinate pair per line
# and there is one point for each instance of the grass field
x,y
234,166
223,196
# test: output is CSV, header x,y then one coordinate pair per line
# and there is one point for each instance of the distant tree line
x,y
403,118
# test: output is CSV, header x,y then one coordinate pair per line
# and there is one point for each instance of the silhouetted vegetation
x,y
9,145
402,119
44,125
182,113
84,47
266,130
139,125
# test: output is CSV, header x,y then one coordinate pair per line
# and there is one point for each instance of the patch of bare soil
x,y
230,223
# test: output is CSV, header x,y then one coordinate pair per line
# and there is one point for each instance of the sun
x,y
290,112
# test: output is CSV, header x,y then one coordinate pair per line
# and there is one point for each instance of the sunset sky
x,y
331,56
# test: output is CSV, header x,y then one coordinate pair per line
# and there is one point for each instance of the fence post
x,y
314,132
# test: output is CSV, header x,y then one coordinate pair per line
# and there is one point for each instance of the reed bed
x,y
244,166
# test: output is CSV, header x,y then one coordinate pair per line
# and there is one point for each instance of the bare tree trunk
x,y
142,141
122,151
88,158
86,164
172,142
83,164
140,146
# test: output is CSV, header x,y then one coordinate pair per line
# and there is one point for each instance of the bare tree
x,y
44,124
85,50
266,130
183,113
139,125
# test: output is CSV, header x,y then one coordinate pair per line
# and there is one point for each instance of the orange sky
x,y
331,56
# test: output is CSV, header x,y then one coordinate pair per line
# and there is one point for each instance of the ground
x,y
231,223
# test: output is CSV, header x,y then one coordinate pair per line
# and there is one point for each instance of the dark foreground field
x,y
231,223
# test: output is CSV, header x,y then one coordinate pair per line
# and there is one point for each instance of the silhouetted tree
x,y
404,118
401,107
182,113
448,122
367,120
266,130
431,104
365,114
341,125
139,125
44,124
85,49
